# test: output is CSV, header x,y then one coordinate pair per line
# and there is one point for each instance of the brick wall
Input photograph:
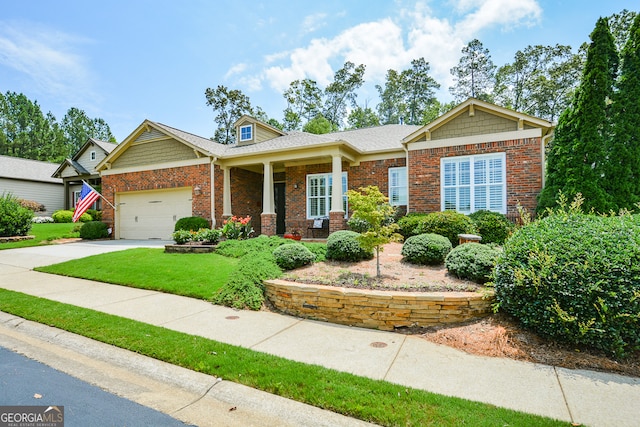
x,y
188,176
523,170
246,196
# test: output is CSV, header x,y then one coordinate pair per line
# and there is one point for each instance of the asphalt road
x,y
22,380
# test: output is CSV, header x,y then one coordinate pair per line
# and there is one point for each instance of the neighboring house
x,y
82,167
476,156
31,180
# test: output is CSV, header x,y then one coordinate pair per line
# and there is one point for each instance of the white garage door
x,y
151,214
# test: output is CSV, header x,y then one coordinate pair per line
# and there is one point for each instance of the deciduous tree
x,y
229,105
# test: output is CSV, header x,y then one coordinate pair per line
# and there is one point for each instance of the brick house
x,y
476,156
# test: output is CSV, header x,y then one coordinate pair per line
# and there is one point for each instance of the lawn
x,y
370,400
44,234
191,275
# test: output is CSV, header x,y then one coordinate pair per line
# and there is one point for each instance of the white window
x,y
319,194
472,183
398,186
246,133
93,155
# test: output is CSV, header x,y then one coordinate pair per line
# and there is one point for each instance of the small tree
x,y
371,206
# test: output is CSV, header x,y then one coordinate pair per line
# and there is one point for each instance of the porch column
x,y
268,216
226,193
336,214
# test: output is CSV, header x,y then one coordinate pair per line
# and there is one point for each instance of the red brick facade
x,y
523,170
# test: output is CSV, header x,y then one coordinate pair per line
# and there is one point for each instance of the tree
x,y
540,81
620,25
578,153
304,102
229,105
474,74
372,207
362,117
408,95
623,177
77,128
319,125
342,92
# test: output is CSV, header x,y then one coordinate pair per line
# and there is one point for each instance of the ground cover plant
x,y
192,275
44,234
366,399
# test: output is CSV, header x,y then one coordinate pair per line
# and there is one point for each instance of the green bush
x,y
472,261
67,216
429,248
411,224
494,227
95,214
240,248
293,256
245,288
575,278
344,245
209,236
15,220
94,230
191,223
358,225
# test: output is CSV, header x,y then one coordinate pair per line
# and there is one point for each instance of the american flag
x,y
88,196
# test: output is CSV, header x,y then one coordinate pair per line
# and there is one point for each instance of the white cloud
x,y
235,69
312,23
47,58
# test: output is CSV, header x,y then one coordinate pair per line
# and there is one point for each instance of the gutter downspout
x,y
406,150
213,192
543,146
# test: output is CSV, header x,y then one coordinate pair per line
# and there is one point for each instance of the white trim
x,y
92,155
328,176
406,186
475,139
250,133
150,167
472,186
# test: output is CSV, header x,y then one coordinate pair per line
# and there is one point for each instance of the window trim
x,y
250,138
327,196
472,185
406,187
92,155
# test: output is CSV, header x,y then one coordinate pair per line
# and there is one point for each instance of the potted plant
x,y
294,235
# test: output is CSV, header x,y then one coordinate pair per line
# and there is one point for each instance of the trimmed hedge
x,y
94,230
64,216
344,245
494,227
472,261
429,248
191,223
575,278
293,256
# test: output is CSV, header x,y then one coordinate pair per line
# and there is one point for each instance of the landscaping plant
x,y
576,278
429,248
445,223
63,216
493,227
472,261
191,223
344,245
15,220
94,230
237,228
291,256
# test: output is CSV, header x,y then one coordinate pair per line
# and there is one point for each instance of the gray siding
x,y
50,195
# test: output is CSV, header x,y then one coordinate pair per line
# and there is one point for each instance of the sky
x,y
129,60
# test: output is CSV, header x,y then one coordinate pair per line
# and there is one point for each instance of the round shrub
x,y
358,225
293,256
472,261
429,248
410,225
94,230
494,227
15,220
575,278
67,216
448,224
191,223
344,245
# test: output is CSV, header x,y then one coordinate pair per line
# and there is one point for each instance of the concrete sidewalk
x,y
585,397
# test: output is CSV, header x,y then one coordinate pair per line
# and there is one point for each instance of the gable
x,y
479,123
152,148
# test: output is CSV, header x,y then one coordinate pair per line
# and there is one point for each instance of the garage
x,y
143,215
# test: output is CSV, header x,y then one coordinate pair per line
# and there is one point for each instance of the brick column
x,y
268,223
337,221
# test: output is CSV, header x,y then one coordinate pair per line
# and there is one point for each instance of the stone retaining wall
x,y
385,310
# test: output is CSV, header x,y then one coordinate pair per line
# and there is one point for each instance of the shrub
x,y
472,261
237,228
32,205
494,227
293,256
576,278
448,224
209,236
67,216
42,219
426,248
245,288
182,236
410,225
15,220
191,223
358,225
344,245
94,230
95,214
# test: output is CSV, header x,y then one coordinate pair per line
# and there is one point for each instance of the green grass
x,y
44,234
192,275
370,400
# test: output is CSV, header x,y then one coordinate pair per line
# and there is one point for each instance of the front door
x,y
279,199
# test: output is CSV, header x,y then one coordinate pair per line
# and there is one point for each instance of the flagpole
x,y
103,198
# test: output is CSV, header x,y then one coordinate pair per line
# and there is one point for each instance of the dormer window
x,y
93,155
246,133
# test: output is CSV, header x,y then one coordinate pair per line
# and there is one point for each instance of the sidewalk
x,y
585,397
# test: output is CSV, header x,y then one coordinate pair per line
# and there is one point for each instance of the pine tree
x,y
577,160
623,178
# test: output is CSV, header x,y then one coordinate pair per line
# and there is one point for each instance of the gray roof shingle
x,y
29,170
